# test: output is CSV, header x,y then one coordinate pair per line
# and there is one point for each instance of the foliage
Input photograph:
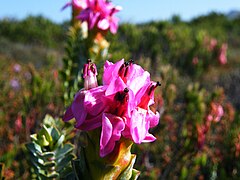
x,y
167,50
49,153
42,32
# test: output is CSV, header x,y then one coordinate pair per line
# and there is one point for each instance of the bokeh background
x,y
191,47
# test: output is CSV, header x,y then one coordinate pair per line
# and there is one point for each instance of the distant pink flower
x,y
15,84
18,124
216,112
213,44
100,14
195,60
120,107
17,68
223,54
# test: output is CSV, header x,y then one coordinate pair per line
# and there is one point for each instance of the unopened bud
x,y
90,75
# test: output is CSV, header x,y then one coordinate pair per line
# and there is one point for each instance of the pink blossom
x,y
100,14
216,112
120,107
15,84
213,44
223,54
18,124
17,68
195,61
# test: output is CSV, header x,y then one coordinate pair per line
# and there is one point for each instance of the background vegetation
x,y
177,53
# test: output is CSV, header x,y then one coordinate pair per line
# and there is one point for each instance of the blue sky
x,y
133,10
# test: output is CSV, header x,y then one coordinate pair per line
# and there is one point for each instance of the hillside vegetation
x,y
197,63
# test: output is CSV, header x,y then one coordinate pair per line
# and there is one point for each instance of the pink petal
x,y
103,24
137,81
66,5
114,25
111,71
78,109
68,114
90,124
112,126
139,126
153,118
93,100
149,138
81,4
115,86
84,15
93,17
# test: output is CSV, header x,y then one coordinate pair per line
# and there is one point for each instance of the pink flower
x,y
18,124
120,107
223,54
100,14
195,61
15,84
213,44
17,68
216,112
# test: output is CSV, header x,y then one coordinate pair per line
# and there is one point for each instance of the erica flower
x,y
213,44
18,124
120,107
216,112
14,83
223,54
100,14
195,60
17,68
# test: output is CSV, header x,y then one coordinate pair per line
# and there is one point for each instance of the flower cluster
x,y
120,106
215,115
97,13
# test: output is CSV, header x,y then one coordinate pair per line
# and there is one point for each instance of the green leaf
x,y
135,174
39,163
55,134
59,142
43,141
204,159
46,155
80,167
47,133
34,148
49,175
63,163
64,150
184,173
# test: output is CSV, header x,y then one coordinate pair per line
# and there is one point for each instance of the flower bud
x,y
89,75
